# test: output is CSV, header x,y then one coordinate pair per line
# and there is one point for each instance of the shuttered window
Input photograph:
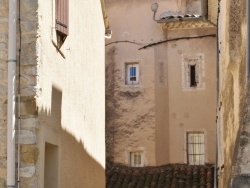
x,y
62,16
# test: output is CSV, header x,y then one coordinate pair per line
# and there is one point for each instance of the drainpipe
x,y
248,43
11,94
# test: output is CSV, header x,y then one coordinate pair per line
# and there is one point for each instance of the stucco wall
x,y
71,98
62,100
192,109
155,115
232,62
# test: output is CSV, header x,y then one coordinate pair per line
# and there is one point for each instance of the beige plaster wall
x,y
141,117
192,109
71,98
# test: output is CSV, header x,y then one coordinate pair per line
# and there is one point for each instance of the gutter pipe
x,y
11,94
248,43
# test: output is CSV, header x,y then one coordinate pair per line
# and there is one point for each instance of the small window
x,y
195,148
136,159
192,72
132,73
62,19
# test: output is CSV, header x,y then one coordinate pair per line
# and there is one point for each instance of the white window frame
x,y
136,159
128,76
196,148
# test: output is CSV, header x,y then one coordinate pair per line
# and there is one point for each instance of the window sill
x,y
58,49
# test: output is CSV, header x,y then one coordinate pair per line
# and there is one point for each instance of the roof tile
x,y
167,176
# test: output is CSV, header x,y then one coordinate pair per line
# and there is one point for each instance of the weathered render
x,y
155,115
62,95
233,110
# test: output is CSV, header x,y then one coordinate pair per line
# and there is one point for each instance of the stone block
x,y
30,70
28,38
29,182
29,123
28,108
28,91
2,182
3,46
28,6
3,149
29,154
3,89
3,125
3,172
3,53
29,53
3,111
3,38
27,172
28,80
3,162
3,99
3,73
27,137
29,27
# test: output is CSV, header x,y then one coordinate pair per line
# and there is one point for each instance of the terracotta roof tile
x,y
167,176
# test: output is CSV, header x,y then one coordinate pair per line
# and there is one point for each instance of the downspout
x,y
248,43
11,94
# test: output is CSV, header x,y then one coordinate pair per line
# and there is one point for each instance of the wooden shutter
x,y
62,16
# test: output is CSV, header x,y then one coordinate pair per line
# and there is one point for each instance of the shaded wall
x,y
232,61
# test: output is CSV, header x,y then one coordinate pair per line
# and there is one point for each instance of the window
x,y
132,73
195,148
192,75
136,159
62,19
193,72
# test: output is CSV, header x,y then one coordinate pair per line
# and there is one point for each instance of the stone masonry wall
x,y
232,81
29,151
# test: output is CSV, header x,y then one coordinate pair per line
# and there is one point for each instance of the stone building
x,y
62,93
161,82
233,104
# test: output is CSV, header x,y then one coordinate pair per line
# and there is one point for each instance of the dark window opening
x,y
60,38
192,69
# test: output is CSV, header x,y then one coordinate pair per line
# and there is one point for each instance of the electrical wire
x,y
19,90
175,39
